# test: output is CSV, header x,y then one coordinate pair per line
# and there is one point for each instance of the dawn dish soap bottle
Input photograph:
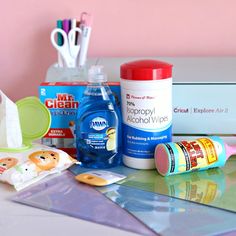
x,y
97,126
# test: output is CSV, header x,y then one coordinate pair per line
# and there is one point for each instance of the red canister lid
x,y
146,70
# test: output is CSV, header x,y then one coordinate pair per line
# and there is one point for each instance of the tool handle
x,y
230,150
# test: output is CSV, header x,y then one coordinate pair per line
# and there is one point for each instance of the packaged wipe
x,y
25,168
10,128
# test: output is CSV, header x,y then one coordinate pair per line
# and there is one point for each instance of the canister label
x,y
147,118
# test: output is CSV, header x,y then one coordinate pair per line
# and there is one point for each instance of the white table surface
x,y
17,219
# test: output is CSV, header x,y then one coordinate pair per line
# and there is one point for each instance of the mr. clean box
x,y
63,99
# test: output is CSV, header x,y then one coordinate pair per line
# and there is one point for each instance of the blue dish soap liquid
x,y
97,126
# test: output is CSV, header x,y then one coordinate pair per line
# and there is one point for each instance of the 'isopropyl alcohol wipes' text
x,y
146,92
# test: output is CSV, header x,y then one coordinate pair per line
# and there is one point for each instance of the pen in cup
x,y
60,43
85,25
75,36
66,25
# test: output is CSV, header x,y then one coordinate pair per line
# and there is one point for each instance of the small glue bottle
x,y
97,125
186,156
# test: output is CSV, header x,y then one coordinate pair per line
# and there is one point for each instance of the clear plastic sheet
x,y
171,216
213,187
63,194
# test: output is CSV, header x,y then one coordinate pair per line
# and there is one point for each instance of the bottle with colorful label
x,y
187,156
97,125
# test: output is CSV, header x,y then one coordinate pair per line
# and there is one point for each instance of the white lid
x,y
96,74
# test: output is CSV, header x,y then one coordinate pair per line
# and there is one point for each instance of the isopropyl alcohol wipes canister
x,y
146,93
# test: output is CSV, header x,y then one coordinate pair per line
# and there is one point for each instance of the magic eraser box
x,y
63,99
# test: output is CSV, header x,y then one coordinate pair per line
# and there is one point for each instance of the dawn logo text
x,y
98,123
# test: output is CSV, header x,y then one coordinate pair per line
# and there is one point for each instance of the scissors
x,y
69,50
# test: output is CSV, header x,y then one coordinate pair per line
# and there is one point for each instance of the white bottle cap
x,y
96,74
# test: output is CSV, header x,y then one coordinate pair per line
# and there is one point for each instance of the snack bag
x,y
25,168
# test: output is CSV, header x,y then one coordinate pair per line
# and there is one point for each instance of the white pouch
x,y
25,168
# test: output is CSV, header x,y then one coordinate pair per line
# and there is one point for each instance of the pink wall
x,y
121,28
